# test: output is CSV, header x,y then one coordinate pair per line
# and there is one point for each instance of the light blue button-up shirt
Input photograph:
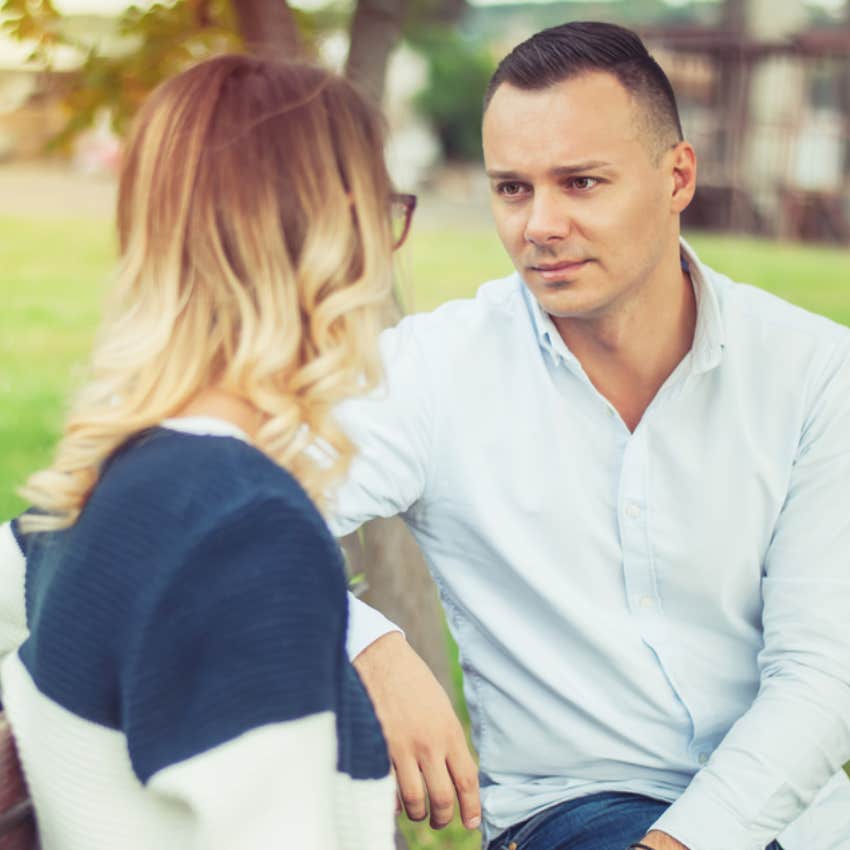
x,y
664,611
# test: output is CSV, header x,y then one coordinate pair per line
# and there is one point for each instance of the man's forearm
x,y
426,741
766,771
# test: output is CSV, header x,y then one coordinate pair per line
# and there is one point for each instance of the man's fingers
x,y
441,792
410,788
424,736
464,776
431,783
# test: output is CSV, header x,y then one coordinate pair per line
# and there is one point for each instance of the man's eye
x,y
583,183
509,189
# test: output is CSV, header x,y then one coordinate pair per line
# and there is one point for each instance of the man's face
x,y
580,205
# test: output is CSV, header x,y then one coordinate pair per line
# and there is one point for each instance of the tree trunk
x,y
375,32
400,587
399,584
268,28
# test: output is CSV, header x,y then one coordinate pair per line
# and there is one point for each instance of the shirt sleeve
x,y
13,615
796,735
230,689
365,626
392,430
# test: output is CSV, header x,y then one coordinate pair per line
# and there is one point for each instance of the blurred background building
x,y
765,98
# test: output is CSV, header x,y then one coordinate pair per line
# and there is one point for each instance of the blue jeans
x,y
609,821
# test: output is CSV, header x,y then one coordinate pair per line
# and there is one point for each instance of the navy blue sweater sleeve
x,y
19,536
247,630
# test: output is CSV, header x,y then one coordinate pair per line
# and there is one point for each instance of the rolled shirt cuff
x,y
365,626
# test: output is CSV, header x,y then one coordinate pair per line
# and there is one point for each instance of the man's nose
x,y
548,220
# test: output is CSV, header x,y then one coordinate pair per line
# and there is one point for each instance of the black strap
x,y
638,846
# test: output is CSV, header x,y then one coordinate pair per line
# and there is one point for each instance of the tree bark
x,y
375,32
268,28
400,587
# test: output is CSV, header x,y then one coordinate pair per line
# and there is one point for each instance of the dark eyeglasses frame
x,y
409,203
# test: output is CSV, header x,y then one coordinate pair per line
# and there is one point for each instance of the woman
x,y
173,612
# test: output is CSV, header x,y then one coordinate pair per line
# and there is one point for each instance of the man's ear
x,y
684,172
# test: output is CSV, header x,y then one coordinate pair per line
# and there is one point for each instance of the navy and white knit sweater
x,y
174,666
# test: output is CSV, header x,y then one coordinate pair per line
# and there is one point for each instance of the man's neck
x,y
630,352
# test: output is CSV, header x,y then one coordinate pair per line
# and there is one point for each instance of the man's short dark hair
x,y
580,47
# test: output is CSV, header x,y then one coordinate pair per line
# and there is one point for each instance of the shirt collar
x,y
547,334
205,426
709,338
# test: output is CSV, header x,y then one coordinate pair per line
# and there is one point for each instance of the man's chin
x,y
566,303
546,289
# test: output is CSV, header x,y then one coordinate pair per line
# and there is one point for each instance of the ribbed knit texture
x,y
198,600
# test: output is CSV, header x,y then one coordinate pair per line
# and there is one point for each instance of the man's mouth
x,y
557,271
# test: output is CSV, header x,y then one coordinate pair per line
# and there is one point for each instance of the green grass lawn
x,y
53,276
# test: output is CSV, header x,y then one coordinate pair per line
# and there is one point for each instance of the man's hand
x,y
661,841
425,738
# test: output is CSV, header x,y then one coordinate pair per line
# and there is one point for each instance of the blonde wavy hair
x,y
255,240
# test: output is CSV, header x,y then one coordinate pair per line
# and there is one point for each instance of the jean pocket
x,y
505,841
516,837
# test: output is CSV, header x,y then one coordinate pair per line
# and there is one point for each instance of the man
x,y
630,478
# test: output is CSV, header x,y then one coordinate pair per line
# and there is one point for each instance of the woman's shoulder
x,y
184,487
185,550
214,468
166,495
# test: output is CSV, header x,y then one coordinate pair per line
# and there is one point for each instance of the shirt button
x,y
632,510
646,602
702,758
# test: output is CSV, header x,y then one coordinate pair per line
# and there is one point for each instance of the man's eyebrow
x,y
559,171
580,167
502,175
